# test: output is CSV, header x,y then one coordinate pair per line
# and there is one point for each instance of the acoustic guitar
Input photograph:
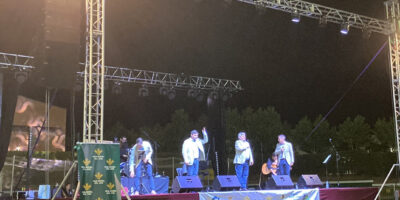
x,y
266,171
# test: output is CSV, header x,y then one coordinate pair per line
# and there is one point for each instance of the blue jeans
x,y
284,167
138,174
242,172
193,170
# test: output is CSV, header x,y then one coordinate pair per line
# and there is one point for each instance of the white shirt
x,y
287,152
243,152
194,149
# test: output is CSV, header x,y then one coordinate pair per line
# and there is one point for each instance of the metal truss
x,y
94,72
393,15
15,62
171,80
326,14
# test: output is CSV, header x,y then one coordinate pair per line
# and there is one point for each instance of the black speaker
x,y
186,184
57,44
226,183
280,182
309,181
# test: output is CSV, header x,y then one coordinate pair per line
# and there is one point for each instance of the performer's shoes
x,y
153,192
136,193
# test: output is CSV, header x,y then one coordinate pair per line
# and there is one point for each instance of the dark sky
x,y
300,69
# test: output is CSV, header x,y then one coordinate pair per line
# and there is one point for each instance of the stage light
x,y
117,88
144,91
171,94
295,17
21,77
163,91
323,21
344,28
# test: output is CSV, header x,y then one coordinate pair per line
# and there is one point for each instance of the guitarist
x,y
271,166
273,163
140,159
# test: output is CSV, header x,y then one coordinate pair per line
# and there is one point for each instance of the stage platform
x,y
365,193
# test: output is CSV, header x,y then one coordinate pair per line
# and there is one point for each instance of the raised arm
x,y
205,136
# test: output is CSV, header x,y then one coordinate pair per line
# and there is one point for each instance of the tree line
x,y
354,138
262,126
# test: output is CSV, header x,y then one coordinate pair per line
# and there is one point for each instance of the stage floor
x,y
308,194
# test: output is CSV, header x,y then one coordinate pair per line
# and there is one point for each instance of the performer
x,y
193,151
273,164
284,150
242,160
123,149
140,159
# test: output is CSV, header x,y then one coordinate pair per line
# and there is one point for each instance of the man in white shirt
x,y
243,159
139,158
193,151
284,150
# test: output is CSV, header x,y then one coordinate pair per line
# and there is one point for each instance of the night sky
x,y
301,69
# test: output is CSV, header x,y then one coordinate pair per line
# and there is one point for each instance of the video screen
x,y
29,117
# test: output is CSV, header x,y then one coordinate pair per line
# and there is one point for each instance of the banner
x,y
305,194
99,171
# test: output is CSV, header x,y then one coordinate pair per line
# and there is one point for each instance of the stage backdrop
x,y
99,171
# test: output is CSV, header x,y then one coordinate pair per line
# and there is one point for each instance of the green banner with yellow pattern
x,y
99,171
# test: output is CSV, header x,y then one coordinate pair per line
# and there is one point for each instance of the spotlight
x,y
117,88
344,28
171,94
163,91
144,91
323,21
21,77
295,17
191,93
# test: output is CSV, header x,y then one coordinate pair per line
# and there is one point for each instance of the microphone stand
x,y
325,162
337,161
156,145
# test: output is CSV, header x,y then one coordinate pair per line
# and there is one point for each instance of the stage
x,y
307,194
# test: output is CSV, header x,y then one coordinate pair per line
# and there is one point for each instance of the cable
x,y
347,91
